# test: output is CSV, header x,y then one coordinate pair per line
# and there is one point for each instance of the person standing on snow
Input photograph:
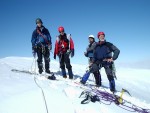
x,y
90,54
90,48
64,47
103,58
41,44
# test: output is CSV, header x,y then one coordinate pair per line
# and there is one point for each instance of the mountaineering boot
x,y
48,71
85,77
70,74
40,70
40,66
64,73
112,85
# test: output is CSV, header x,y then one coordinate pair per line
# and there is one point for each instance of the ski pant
x,y
43,52
109,72
95,73
95,70
108,69
64,61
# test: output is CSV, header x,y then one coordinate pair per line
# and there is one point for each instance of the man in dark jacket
x,y
103,58
41,44
64,47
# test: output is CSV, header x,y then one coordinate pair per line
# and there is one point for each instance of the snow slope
x,y
20,94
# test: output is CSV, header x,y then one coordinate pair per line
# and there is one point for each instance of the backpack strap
x,y
71,43
39,32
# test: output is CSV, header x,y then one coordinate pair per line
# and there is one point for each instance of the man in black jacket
x,y
103,57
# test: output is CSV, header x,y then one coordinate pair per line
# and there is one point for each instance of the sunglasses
x,y
61,32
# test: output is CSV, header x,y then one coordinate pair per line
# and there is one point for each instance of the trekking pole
x,y
32,65
35,65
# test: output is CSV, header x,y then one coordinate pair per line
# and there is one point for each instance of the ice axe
x,y
119,99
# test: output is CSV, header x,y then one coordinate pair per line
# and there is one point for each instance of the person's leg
x,y
93,68
62,65
39,60
97,76
47,60
108,70
68,66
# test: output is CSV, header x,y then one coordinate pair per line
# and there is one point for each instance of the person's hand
x,y
34,48
34,53
85,53
50,47
90,64
68,52
55,57
72,53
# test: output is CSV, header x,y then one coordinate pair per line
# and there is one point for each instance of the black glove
x,y
86,54
49,47
34,50
72,52
34,53
55,57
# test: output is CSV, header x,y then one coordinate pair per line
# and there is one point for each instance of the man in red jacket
x,y
64,47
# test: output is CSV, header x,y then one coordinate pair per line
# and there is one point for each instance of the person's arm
x,y
33,39
92,47
115,50
49,38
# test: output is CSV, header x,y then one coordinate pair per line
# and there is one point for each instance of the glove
x,y
68,52
34,53
85,53
34,50
50,47
55,57
72,52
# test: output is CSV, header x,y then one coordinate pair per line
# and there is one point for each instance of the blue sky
x,y
126,24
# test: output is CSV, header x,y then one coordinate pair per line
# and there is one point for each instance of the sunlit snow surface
x,y
20,94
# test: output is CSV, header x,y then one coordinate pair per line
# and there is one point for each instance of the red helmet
x,y
100,33
61,29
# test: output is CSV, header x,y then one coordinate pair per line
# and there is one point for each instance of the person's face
x,y
61,33
39,24
91,40
101,37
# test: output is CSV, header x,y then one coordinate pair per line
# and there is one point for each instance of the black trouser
x,y
43,52
96,73
65,61
109,72
108,69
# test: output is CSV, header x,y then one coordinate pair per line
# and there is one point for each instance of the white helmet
x,y
91,36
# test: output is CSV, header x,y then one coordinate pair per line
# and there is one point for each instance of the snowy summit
x,y
31,93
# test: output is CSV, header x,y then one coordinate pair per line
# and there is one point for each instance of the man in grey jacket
x,y
90,54
90,48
